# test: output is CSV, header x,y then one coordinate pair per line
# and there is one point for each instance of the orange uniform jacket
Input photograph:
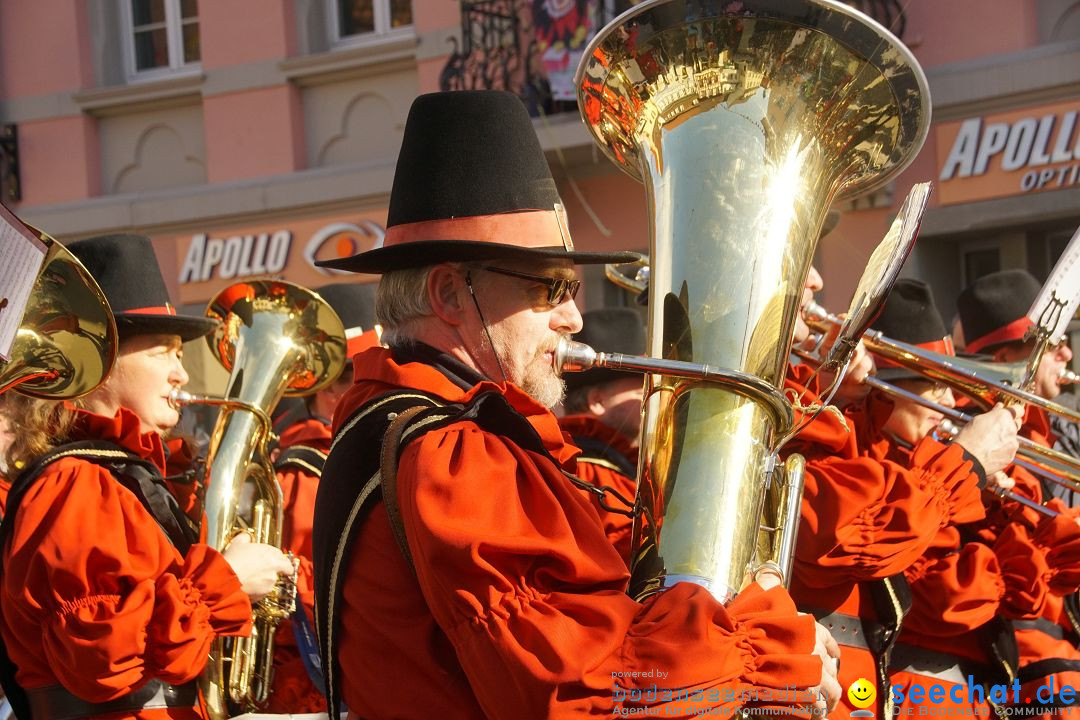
x,y
516,607
866,516
292,691
95,597
595,471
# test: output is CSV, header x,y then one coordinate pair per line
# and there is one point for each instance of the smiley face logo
x,y
862,693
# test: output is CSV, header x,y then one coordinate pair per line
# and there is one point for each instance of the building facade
x,y
254,136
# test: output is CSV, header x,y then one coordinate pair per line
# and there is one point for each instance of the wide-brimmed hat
x,y
127,270
911,316
354,303
471,183
609,330
993,309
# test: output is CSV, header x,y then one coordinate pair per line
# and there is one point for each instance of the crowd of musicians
x,y
464,552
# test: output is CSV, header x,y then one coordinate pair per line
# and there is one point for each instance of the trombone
x,y
1056,466
985,383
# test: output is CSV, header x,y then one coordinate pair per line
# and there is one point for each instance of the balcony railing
x,y
501,48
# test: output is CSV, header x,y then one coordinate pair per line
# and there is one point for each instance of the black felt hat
x,y
993,309
610,330
911,316
354,303
471,183
127,270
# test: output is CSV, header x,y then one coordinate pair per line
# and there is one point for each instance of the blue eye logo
x,y
341,239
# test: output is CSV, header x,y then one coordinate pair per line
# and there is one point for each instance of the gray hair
x,y
400,299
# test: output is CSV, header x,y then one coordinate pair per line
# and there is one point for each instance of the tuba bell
x,y
66,341
745,121
276,339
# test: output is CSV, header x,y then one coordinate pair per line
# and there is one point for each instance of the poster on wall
x,y
563,29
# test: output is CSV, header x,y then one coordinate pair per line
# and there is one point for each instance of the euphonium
x,y
66,342
745,121
275,338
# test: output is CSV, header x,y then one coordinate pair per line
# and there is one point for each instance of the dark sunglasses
x,y
559,289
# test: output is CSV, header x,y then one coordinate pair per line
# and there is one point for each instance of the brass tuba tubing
x,y
275,338
66,341
782,507
745,122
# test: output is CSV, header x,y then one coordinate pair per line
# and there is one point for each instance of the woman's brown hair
x,y
35,427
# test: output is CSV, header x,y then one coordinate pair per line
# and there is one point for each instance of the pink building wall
x,y
45,50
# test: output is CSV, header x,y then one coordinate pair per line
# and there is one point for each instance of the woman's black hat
x,y
127,270
354,303
610,330
993,309
911,316
471,183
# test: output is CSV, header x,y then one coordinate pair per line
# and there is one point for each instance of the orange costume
x,y
613,467
96,601
515,605
867,517
293,690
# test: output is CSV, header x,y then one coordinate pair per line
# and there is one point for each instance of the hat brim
x,y
188,327
433,252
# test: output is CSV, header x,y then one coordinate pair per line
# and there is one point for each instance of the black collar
x,y
455,371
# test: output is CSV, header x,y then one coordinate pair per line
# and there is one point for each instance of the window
x,y
358,20
980,262
163,36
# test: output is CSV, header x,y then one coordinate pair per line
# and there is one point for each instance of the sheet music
x,y
1062,289
21,257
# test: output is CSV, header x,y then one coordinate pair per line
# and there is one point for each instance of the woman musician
x,y
108,599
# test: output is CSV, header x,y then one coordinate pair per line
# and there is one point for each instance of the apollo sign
x,y
1010,153
206,261
235,256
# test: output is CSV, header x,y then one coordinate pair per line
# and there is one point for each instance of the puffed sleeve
x,y
112,600
956,592
865,519
517,571
1059,539
1024,571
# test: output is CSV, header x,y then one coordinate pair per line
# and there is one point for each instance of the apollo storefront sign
x,y
1023,151
198,264
236,256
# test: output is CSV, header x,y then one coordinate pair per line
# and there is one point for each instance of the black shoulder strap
x,y
351,485
892,600
593,450
305,457
139,476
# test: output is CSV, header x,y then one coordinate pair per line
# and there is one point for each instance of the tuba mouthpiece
x,y
571,356
179,398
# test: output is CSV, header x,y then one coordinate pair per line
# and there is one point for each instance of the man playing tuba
x,y
484,585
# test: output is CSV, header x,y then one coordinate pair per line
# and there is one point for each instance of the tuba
x,y
745,121
275,338
66,341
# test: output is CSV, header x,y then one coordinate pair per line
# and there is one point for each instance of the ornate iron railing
x,y
498,49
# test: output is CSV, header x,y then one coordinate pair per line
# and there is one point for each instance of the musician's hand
x,y
852,388
999,481
991,438
828,691
256,565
